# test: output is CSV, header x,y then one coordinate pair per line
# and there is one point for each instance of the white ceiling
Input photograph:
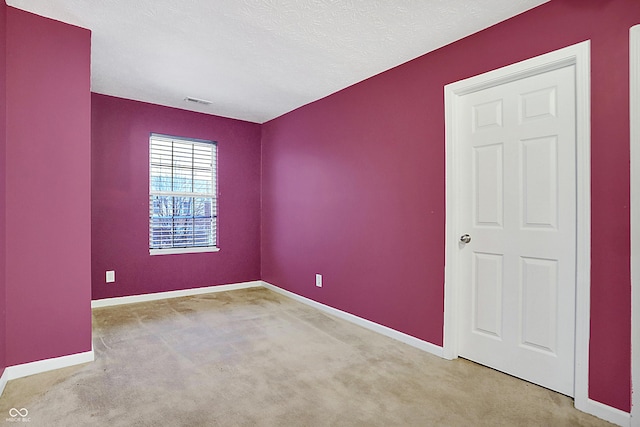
x,y
258,59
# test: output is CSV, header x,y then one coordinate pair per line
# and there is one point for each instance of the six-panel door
x,y
517,157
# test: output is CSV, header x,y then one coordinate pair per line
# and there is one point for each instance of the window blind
x,y
182,193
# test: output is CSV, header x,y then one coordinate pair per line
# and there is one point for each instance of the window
x,y
182,195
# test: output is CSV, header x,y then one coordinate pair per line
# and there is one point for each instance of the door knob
x,y
465,238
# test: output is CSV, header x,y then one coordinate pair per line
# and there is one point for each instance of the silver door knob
x,y
465,238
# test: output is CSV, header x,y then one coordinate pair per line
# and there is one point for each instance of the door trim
x,y
579,56
634,110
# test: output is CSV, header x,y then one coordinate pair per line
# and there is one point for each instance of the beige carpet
x,y
255,358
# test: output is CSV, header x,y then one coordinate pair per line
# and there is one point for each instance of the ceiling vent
x,y
197,100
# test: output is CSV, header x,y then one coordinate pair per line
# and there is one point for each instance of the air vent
x,y
197,100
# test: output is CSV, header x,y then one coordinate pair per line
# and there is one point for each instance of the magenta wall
x,y
48,218
354,184
3,143
120,198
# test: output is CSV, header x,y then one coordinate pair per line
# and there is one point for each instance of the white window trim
x,y
171,251
193,249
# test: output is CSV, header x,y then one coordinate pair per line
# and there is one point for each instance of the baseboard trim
x,y
4,378
605,412
375,327
40,366
600,410
108,302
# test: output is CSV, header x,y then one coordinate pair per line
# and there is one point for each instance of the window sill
x,y
172,251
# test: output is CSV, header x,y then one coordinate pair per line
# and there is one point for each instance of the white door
x,y
518,181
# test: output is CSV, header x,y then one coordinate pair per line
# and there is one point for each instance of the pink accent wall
x,y
120,198
353,185
48,218
3,144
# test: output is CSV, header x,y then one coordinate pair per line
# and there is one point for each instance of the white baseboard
x,y
392,333
605,412
589,406
40,366
592,407
375,327
3,381
107,302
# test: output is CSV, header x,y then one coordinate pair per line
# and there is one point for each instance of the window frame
x,y
214,196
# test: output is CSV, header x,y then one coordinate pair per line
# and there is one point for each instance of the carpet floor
x,y
255,358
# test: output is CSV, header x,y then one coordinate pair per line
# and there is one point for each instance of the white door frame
x,y
634,110
578,55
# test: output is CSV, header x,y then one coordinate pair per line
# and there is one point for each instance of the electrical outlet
x,y
319,280
111,276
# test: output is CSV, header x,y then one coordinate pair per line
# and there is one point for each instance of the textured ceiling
x,y
258,59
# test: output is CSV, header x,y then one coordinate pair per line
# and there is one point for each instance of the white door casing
x,y
517,201
574,58
635,220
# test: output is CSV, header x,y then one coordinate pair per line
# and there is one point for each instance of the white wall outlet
x,y
319,280
111,276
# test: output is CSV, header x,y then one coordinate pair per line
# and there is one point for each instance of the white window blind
x,y
182,193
